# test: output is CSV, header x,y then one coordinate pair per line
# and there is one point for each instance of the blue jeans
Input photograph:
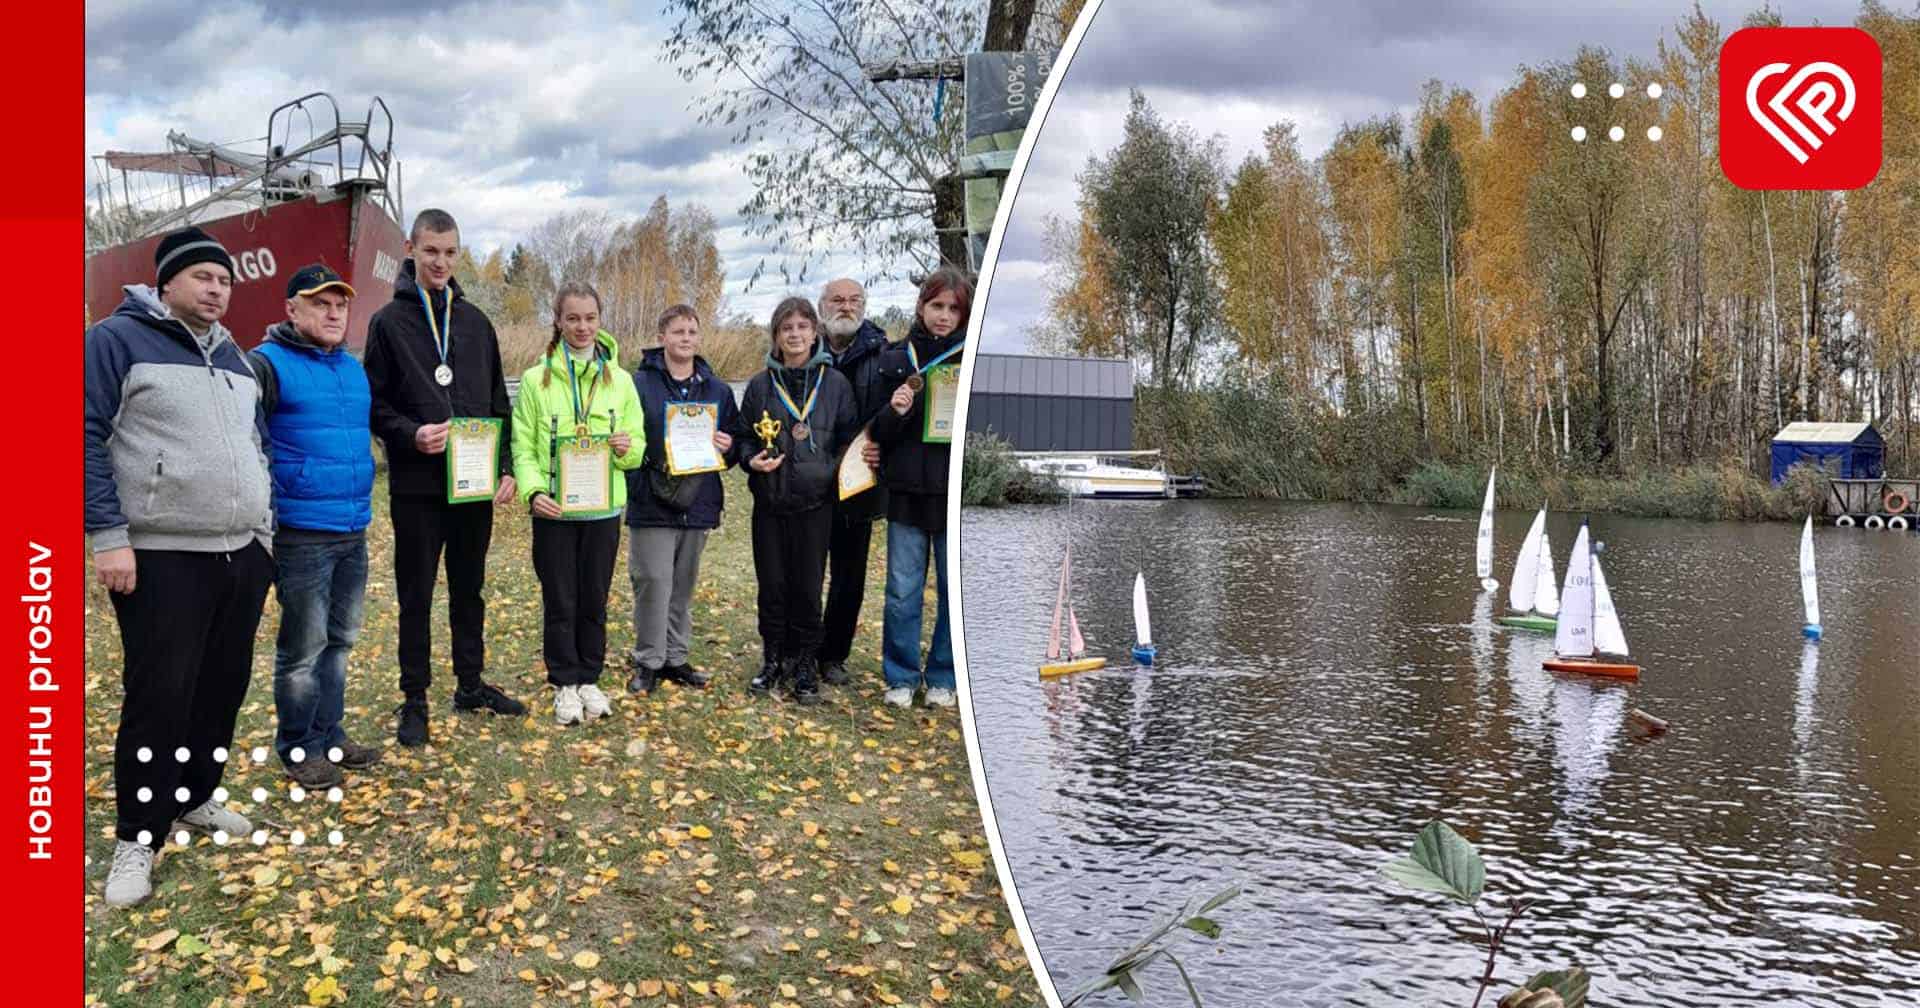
x,y
321,587
907,554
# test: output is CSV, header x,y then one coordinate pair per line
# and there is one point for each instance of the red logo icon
x,y
1800,108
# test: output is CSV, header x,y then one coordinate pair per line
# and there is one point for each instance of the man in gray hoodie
x,y
179,517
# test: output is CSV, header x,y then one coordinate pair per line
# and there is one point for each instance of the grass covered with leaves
x,y
695,848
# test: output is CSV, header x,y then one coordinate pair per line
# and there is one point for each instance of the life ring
x,y
1873,522
1895,502
1844,521
1897,522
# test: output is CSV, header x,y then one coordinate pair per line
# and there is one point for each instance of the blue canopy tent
x,y
1848,450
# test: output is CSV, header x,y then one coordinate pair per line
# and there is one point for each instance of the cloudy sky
x,y
1232,69
506,113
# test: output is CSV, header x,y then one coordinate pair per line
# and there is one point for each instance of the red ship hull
x,y
350,233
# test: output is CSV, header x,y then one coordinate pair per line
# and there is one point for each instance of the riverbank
x,y
695,848
1250,445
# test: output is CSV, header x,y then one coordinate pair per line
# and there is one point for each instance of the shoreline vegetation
x,y
697,847
1250,444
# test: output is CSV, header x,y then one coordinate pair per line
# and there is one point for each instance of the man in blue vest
x,y
315,398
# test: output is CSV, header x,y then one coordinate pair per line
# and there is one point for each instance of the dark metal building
x,y
1053,403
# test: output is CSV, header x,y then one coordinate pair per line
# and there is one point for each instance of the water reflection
x,y
1330,677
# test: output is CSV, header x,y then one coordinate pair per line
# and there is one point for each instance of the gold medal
x,y
801,431
581,430
915,382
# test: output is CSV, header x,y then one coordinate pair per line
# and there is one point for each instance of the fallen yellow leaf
x,y
586,959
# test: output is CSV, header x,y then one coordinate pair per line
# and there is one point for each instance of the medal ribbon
x,y
799,414
914,356
582,411
440,337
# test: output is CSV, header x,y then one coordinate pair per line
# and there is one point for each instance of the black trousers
x,y
790,562
423,526
187,632
847,583
575,560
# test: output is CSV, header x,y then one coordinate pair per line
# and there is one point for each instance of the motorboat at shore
x,y
1111,475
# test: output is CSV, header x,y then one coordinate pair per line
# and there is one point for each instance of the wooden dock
x,y
1888,502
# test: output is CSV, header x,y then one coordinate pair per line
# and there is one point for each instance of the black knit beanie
x,y
182,249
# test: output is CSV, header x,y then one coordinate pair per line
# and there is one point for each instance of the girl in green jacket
x,y
577,421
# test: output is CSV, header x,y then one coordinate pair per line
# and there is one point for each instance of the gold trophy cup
x,y
768,430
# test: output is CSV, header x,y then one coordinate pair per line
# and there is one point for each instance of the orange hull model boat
x,y
1589,627
1589,666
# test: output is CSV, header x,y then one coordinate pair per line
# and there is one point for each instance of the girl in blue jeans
x,y
913,459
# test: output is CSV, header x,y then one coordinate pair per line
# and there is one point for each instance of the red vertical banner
x,y
42,782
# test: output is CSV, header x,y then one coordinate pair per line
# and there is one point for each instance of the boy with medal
x,y
914,446
432,357
794,475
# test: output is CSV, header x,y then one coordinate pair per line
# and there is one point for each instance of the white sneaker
x,y
212,817
900,696
566,705
939,696
130,880
593,703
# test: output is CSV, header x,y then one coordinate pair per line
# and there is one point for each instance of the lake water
x,y
1330,679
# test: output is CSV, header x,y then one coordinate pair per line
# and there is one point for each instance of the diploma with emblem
x,y
856,476
584,472
689,440
942,392
473,459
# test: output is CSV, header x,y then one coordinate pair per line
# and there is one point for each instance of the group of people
x,y
212,474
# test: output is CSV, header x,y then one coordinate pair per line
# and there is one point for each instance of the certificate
x,y
689,443
855,475
473,459
943,391
585,473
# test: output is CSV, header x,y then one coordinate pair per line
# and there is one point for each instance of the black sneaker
x,y
772,671
487,697
643,681
806,684
685,675
835,673
413,722
354,756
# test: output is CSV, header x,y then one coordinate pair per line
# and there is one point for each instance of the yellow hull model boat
x,y
1055,670
1076,650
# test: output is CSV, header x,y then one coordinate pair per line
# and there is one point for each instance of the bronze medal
x,y
801,431
915,382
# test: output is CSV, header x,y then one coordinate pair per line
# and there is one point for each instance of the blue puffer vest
x,y
322,447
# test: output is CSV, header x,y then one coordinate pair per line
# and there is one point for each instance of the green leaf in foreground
x,y
1202,925
1570,984
1444,862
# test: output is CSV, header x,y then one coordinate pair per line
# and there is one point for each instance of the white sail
x,y
1608,637
1526,568
1483,548
1142,629
1546,597
1809,579
1573,637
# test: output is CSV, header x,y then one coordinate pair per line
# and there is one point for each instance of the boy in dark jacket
x,y
669,532
914,469
432,355
794,479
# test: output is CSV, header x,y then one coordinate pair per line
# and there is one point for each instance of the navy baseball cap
x,y
310,280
